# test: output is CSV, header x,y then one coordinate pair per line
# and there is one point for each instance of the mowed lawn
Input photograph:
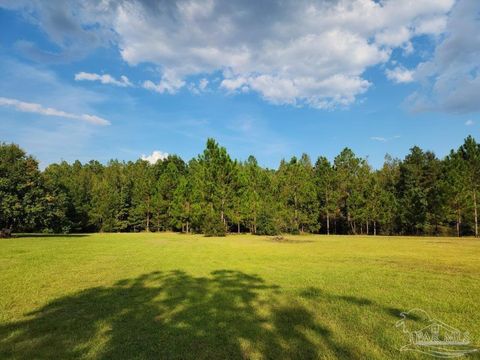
x,y
172,296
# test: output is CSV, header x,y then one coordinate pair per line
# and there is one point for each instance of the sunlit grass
x,y
176,296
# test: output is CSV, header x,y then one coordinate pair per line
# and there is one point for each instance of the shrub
x,y
213,225
266,224
5,233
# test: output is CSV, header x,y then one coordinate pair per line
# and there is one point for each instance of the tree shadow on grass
x,y
173,315
316,293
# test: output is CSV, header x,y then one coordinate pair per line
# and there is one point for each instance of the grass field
x,y
169,296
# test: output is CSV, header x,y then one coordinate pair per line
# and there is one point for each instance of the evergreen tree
x,y
215,194
252,196
327,193
455,181
347,167
297,192
216,176
470,153
181,209
418,191
163,196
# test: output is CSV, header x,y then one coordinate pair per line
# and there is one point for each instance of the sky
x,y
129,79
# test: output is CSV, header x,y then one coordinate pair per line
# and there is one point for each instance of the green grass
x,y
169,296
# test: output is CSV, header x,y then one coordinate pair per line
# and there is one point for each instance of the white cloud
x,y
335,90
400,75
384,139
394,37
451,78
199,87
104,79
76,28
52,139
303,53
469,122
233,84
47,111
202,84
408,48
435,26
170,83
155,156
379,138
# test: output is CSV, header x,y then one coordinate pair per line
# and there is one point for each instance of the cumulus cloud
x,y
170,83
400,75
104,79
451,78
303,53
155,156
435,26
48,111
469,122
76,28
202,84
199,86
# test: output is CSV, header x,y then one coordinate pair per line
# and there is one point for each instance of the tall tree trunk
x,y
238,227
374,227
188,214
296,212
459,220
367,227
328,215
328,223
475,211
222,215
148,214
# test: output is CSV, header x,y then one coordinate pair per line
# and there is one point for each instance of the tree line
x,y
214,194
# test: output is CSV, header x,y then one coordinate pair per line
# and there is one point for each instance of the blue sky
x,y
123,79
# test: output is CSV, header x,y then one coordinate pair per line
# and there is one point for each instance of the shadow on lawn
x,y
228,315
316,293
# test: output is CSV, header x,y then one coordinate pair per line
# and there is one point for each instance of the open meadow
x,y
172,296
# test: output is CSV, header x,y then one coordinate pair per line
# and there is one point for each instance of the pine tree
x,y
455,182
327,194
252,197
215,178
470,152
163,196
181,208
347,167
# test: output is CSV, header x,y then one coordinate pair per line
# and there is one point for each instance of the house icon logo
x,y
433,337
